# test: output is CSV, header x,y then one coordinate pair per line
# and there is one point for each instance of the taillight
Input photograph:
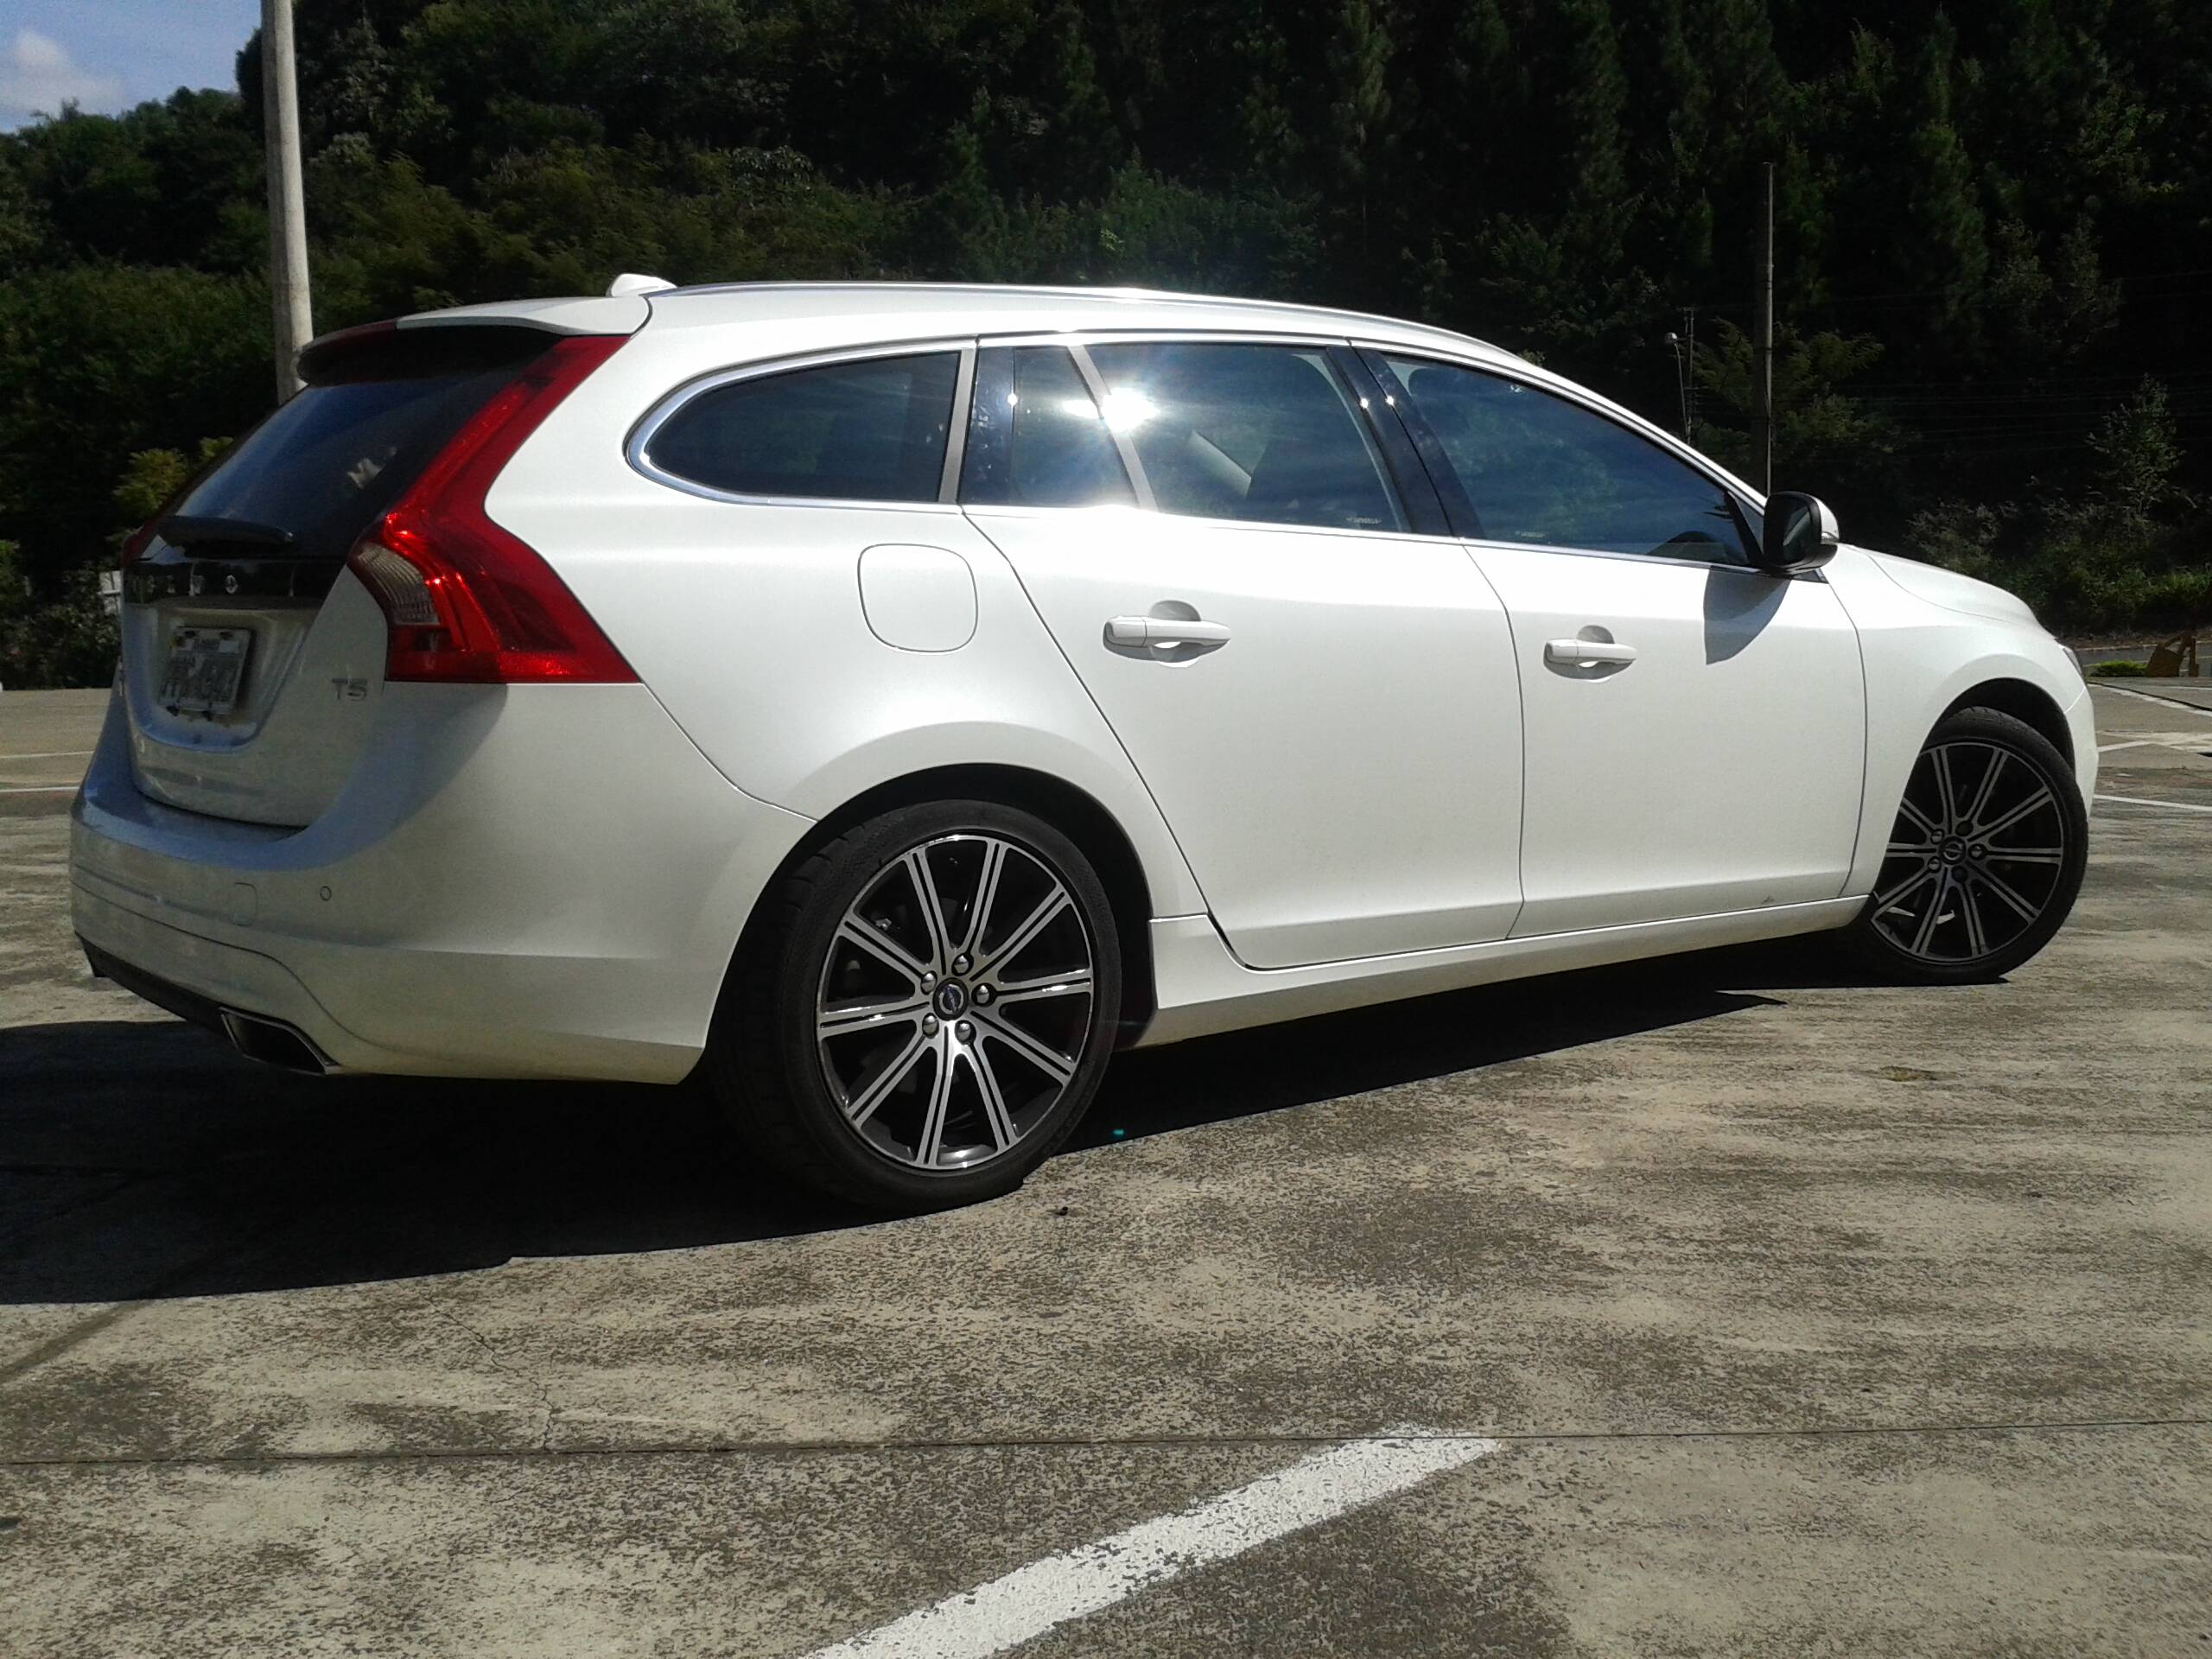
x,y
464,598
134,545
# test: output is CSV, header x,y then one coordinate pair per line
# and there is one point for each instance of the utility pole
x,y
290,312
1685,349
1763,352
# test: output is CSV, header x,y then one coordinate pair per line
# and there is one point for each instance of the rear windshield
x,y
325,464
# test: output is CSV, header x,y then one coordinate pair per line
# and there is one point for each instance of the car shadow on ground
x,y
144,1160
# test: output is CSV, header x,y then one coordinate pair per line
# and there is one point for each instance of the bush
x,y
69,641
2117,671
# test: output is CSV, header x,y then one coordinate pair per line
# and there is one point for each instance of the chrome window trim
x,y
673,401
1249,526
1673,562
1140,336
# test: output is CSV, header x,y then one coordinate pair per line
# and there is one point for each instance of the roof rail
x,y
1074,291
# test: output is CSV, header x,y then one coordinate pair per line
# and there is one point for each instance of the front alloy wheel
x,y
928,1008
1986,856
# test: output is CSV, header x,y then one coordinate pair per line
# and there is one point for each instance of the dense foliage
x,y
1994,241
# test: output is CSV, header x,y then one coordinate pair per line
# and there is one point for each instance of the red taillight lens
x,y
466,599
134,546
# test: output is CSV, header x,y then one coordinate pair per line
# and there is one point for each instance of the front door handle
x,y
1164,631
1577,653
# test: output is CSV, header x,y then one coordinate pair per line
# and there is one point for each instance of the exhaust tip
x,y
273,1043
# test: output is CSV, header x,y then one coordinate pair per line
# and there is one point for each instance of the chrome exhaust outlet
x,y
273,1043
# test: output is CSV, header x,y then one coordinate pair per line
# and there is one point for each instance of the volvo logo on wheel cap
x,y
951,999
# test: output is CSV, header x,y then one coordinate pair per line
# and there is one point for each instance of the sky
x,y
109,55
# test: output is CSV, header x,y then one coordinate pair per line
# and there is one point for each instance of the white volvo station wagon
x,y
885,701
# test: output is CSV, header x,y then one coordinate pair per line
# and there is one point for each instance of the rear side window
x,y
1537,468
340,452
1254,432
1036,438
874,429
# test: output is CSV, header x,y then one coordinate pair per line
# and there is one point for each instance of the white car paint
x,y
1920,658
1342,773
548,880
1717,771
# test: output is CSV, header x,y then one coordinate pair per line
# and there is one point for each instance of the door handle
x,y
1164,631
1577,652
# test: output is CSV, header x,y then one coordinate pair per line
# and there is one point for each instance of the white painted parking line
x,y
2178,806
1032,1600
2146,696
2190,742
50,754
38,789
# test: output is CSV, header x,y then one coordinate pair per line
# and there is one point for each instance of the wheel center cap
x,y
951,998
1954,849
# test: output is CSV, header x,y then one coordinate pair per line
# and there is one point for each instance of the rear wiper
x,y
184,530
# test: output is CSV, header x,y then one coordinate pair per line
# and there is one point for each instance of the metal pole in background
x,y
290,312
1763,352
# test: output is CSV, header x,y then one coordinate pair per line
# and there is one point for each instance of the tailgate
x,y
253,658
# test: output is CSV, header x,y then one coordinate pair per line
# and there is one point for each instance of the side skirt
x,y
1203,990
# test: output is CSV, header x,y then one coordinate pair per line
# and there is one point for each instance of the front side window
x,y
1254,432
1538,468
873,429
1035,437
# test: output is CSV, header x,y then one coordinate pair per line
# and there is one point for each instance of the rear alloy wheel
x,y
1985,857
935,1013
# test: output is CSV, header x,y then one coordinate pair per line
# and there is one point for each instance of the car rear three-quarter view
x,y
880,704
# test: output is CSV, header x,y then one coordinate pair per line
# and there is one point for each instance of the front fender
x,y
1920,658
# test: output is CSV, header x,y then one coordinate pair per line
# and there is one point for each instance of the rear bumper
x,y
259,1036
525,882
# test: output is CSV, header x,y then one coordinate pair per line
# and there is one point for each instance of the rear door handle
x,y
1575,652
1164,631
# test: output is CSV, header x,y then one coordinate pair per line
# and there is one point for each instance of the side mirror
x,y
1798,533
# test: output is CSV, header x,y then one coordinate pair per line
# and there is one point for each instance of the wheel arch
x,y
1072,810
2026,703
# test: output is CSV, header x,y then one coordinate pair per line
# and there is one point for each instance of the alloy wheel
x,y
1977,857
954,1002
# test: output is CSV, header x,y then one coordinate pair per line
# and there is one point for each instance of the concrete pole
x,y
1763,352
291,313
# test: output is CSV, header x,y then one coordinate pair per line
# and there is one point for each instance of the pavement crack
x,y
500,1364
1080,1443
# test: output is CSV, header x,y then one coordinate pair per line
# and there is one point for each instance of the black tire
x,y
786,1086
1947,908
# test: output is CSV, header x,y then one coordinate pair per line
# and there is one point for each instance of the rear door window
x,y
1540,469
872,430
1257,432
1036,437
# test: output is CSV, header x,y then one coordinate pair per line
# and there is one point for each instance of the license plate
x,y
206,668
